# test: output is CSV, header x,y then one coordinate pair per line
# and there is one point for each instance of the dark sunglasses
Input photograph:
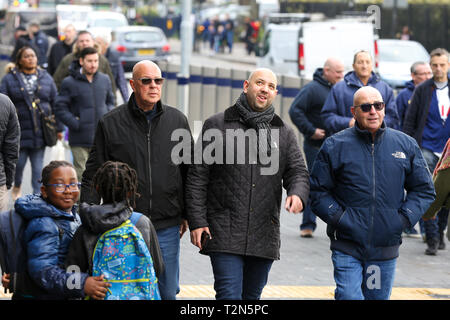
x,y
366,107
147,81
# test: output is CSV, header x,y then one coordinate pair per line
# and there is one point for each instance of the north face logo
x,y
399,155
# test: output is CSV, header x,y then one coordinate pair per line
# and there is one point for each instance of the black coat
x,y
240,205
58,51
96,220
125,135
12,85
9,141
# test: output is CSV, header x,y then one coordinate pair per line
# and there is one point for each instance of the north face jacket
x,y
240,205
358,188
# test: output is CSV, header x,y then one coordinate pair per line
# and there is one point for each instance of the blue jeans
x,y
362,280
434,226
37,162
169,241
239,277
309,218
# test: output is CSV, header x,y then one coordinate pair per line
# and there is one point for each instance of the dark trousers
x,y
239,277
309,218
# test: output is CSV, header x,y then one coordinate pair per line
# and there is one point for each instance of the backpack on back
x,y
122,256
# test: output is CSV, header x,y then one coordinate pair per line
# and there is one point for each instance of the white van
x,y
76,15
297,49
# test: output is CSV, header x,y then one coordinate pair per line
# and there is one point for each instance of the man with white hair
x,y
358,185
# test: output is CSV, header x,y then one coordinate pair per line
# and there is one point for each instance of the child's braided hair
x,y
115,182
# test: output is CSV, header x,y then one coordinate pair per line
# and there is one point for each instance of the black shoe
x,y
441,245
432,247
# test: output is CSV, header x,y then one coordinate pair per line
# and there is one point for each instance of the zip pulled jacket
x,y
47,236
80,104
96,220
307,105
10,140
125,135
357,188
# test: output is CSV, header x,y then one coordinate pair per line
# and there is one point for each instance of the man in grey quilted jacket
x,y
9,148
233,195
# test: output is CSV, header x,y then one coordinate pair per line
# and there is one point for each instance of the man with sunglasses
x,y
358,185
139,133
336,112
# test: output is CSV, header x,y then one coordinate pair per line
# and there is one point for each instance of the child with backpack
x,y
35,238
116,241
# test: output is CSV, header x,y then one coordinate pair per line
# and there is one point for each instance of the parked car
x,y
395,60
136,43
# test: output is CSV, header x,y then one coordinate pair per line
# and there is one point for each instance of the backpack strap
x,y
135,216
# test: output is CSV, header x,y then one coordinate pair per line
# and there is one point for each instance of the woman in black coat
x,y
28,87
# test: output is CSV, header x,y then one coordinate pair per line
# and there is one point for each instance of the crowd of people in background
x,y
218,34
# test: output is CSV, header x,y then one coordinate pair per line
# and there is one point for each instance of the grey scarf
x,y
260,121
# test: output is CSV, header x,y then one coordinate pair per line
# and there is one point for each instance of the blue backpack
x,y
122,256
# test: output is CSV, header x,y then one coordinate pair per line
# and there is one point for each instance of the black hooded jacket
x,y
96,220
307,106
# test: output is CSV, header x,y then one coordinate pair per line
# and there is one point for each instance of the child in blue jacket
x,y
51,221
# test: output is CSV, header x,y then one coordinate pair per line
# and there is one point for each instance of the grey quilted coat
x,y
241,206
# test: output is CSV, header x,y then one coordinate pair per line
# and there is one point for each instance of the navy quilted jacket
x,y
358,188
29,118
47,237
240,205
